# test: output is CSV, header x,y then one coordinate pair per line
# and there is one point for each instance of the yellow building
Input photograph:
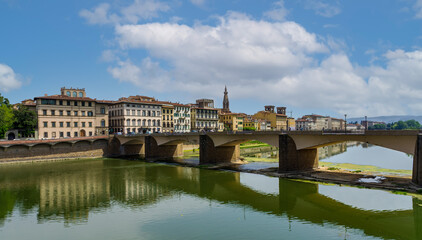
x,y
251,124
291,123
232,121
71,114
167,115
278,120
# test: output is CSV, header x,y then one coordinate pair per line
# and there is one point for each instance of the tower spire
x,y
226,108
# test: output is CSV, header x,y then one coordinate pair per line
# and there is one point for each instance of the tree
x,y
6,116
249,129
413,124
25,120
379,126
400,125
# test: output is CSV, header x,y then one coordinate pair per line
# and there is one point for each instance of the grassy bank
x,y
254,144
362,168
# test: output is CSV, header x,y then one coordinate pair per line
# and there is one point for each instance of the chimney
x,y
45,94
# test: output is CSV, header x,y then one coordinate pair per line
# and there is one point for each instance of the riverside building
x,y
71,114
204,116
135,114
182,118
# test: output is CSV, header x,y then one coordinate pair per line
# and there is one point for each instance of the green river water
x,y
121,199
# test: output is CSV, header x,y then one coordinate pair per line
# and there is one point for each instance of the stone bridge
x,y
297,149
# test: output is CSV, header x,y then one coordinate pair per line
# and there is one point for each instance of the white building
x,y
135,114
182,118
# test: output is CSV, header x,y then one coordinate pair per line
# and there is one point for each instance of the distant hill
x,y
387,119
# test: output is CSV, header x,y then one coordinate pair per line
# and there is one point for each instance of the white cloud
x,y
99,15
278,13
198,3
8,78
147,75
325,8
138,10
418,8
277,62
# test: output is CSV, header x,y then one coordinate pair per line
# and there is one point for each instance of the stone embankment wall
x,y
257,150
92,148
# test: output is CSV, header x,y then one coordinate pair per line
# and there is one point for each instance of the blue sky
x,y
328,57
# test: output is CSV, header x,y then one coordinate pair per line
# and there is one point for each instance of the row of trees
x,y
18,117
400,125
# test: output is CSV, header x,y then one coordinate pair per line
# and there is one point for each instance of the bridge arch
x,y
403,143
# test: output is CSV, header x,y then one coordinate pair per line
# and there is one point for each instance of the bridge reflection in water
x,y
74,189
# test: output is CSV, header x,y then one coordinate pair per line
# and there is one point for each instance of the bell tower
x,y
226,108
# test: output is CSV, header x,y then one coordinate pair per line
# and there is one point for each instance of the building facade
x,y
182,118
135,114
204,116
232,121
167,115
71,114
278,119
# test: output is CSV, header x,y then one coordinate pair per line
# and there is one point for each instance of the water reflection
x,y
70,191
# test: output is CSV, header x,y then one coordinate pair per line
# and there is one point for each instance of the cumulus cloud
x,y
147,75
278,13
138,10
325,8
8,78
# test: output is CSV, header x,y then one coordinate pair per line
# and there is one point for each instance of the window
x,y
83,113
75,103
90,124
128,122
83,104
48,101
83,124
53,124
149,113
102,110
139,113
89,104
61,124
61,134
128,112
76,113
90,134
90,114
133,112
45,124
74,94
61,102
75,134
68,103
61,112
143,113
103,123
68,93
68,134
68,125
46,134
44,112
153,113
68,113
75,124
53,112
81,94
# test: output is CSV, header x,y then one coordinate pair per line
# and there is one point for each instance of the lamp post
x,y
345,123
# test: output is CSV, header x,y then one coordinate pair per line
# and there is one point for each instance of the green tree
x,y
25,120
379,126
6,116
413,124
400,125
249,129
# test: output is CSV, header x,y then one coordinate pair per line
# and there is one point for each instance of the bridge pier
x,y
163,152
291,159
208,153
417,162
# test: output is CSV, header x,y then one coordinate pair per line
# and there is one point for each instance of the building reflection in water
x,y
69,192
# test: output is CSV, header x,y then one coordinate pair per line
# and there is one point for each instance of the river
x,y
121,199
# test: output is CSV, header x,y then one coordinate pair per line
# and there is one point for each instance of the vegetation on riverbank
x,y
253,144
362,168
